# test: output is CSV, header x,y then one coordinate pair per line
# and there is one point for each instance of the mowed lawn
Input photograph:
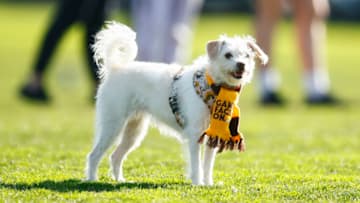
x,y
296,153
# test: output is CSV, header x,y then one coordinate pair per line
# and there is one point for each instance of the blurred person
x,y
91,13
164,28
309,17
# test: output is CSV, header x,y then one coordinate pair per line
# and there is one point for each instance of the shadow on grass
x,y
78,185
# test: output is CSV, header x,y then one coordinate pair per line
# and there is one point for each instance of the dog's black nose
x,y
240,67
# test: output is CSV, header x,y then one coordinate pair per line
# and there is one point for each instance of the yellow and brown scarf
x,y
224,122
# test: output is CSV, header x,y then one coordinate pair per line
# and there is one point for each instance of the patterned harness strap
x,y
174,99
203,89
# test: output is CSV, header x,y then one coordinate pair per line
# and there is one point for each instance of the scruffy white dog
x,y
133,93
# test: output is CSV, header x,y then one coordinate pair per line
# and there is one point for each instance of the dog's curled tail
x,y
114,47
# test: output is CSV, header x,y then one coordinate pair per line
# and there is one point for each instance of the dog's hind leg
x,y
107,133
133,134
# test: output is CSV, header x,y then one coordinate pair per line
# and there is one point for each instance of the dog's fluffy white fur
x,y
133,93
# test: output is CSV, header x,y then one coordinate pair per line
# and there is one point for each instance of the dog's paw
x,y
208,182
242,146
198,182
89,179
121,180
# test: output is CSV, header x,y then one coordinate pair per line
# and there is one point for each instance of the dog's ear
x,y
260,54
213,48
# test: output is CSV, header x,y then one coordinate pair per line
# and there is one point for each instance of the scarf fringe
x,y
235,143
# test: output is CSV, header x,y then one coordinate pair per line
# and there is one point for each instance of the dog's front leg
x,y
209,160
196,173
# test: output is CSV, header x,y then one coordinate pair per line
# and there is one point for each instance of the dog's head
x,y
232,60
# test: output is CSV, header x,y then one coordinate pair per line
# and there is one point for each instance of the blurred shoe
x,y
35,94
326,100
272,99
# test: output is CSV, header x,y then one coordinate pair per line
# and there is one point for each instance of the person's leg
x,y
181,17
66,14
155,21
268,13
94,18
146,26
172,24
142,24
311,34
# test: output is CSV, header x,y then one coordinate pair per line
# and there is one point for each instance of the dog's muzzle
x,y
240,69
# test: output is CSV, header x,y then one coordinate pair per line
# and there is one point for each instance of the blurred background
x,y
62,129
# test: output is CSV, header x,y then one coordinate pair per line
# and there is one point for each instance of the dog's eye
x,y
247,55
228,55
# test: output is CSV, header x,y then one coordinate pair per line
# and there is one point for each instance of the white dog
x,y
133,93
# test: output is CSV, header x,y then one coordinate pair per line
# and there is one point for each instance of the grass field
x,y
296,153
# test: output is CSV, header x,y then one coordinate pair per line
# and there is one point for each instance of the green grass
x,y
296,153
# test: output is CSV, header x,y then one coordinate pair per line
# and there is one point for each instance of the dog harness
x,y
174,99
221,101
